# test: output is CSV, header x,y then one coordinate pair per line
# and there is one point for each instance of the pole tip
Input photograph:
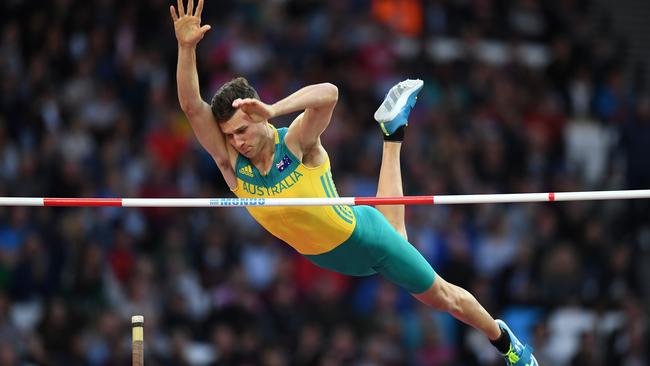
x,y
137,319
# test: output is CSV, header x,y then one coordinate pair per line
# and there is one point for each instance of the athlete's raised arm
x,y
188,29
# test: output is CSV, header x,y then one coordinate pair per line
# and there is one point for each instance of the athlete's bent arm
x,y
317,101
187,26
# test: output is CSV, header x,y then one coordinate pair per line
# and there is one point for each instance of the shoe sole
x,y
396,100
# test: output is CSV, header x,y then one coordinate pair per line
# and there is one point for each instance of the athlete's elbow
x,y
190,109
331,92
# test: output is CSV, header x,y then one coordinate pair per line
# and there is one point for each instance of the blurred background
x,y
519,96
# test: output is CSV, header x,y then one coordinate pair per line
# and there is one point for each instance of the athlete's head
x,y
240,130
222,108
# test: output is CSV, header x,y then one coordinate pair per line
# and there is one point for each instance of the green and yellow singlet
x,y
310,230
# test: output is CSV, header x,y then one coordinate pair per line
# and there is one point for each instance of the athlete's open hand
x,y
257,110
187,24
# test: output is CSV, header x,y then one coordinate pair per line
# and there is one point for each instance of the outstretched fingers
x,y
242,102
181,8
190,9
199,9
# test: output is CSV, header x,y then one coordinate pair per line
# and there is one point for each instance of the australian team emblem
x,y
284,163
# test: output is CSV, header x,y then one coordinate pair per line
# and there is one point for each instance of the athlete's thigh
x,y
393,256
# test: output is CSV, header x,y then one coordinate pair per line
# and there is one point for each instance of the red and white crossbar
x,y
351,201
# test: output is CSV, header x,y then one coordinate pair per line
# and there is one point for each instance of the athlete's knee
x,y
451,298
394,218
443,296
402,232
399,226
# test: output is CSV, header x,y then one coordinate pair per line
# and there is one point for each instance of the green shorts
x,y
376,247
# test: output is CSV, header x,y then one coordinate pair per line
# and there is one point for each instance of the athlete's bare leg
x,y
392,116
444,296
390,184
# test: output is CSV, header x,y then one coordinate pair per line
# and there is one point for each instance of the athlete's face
x,y
243,134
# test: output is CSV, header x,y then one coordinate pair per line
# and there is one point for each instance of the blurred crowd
x,y
519,96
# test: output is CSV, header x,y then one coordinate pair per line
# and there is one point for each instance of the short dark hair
x,y
222,100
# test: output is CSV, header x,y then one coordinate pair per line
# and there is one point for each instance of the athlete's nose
x,y
239,142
